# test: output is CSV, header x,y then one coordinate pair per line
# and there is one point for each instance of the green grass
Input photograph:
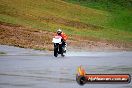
x,y
50,15
35,10
122,21
120,11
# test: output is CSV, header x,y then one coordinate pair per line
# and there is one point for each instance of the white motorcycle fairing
x,y
57,39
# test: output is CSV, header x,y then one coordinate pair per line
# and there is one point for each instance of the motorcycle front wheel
x,y
55,50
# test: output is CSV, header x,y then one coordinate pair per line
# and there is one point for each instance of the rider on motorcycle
x,y
64,38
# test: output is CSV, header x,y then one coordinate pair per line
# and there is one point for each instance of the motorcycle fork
x,y
60,48
56,45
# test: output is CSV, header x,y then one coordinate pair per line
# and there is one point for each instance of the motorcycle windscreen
x,y
56,40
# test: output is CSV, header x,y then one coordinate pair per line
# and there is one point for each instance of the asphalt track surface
x,y
25,68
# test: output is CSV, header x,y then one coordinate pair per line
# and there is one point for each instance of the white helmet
x,y
59,31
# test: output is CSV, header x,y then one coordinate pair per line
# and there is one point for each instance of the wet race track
x,y
25,68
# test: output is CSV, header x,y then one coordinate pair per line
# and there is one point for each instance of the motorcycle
x,y
59,47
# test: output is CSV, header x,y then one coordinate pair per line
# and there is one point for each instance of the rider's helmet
x,y
59,31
